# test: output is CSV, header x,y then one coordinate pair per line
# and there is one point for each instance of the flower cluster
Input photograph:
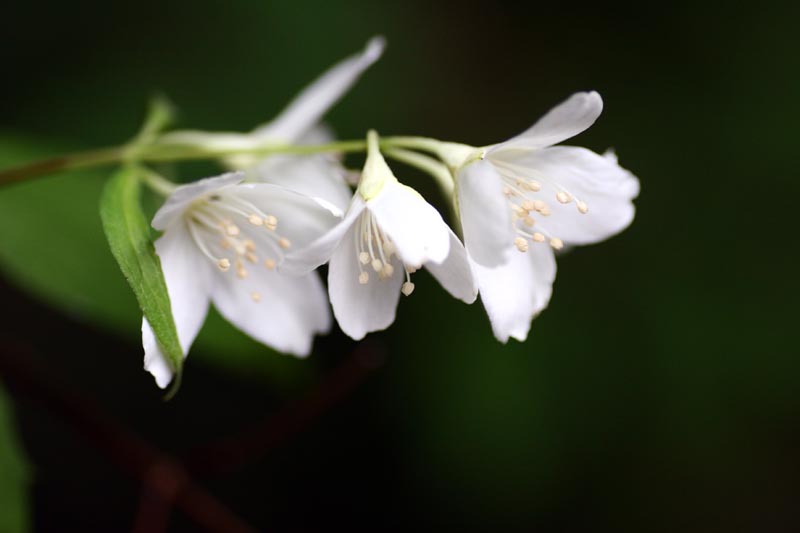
x,y
250,240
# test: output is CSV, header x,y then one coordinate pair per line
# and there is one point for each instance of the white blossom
x,y
224,242
388,233
524,198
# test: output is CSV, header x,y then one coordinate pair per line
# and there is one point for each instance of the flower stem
x,y
157,182
427,164
154,152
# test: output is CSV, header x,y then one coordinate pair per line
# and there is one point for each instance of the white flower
x,y
521,199
320,176
388,232
223,242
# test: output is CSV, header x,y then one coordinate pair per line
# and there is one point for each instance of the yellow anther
x,y
389,248
269,263
528,221
563,197
535,186
284,243
528,205
256,296
582,207
521,244
377,265
388,270
538,237
255,220
411,269
363,257
249,245
232,230
556,243
271,221
363,278
253,258
224,264
407,288
539,205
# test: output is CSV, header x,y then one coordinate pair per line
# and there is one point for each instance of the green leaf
x,y
53,247
14,475
128,236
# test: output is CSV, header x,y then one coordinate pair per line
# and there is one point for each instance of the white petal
x,y
318,176
184,195
312,103
189,277
318,134
606,188
455,273
485,214
361,308
283,312
514,293
417,229
305,259
301,219
565,120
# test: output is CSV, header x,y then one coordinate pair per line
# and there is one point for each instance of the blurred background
x,y
657,392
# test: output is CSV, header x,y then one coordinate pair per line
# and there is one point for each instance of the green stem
x,y
427,164
157,182
153,153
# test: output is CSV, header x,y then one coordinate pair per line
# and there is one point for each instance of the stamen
x,y
563,197
271,222
284,243
224,264
241,272
363,278
269,263
388,270
556,243
407,288
363,258
256,296
255,220
538,237
253,258
528,221
582,207
377,265
521,244
231,229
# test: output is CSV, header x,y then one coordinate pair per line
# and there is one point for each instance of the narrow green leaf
x,y
14,476
128,236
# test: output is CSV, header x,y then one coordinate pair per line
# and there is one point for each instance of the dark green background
x,y
657,392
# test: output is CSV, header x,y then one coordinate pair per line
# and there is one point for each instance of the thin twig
x,y
253,443
162,474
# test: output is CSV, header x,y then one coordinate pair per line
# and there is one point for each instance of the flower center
x,y
528,201
231,231
375,250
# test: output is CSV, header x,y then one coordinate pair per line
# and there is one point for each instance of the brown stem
x,y
60,164
235,451
161,473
